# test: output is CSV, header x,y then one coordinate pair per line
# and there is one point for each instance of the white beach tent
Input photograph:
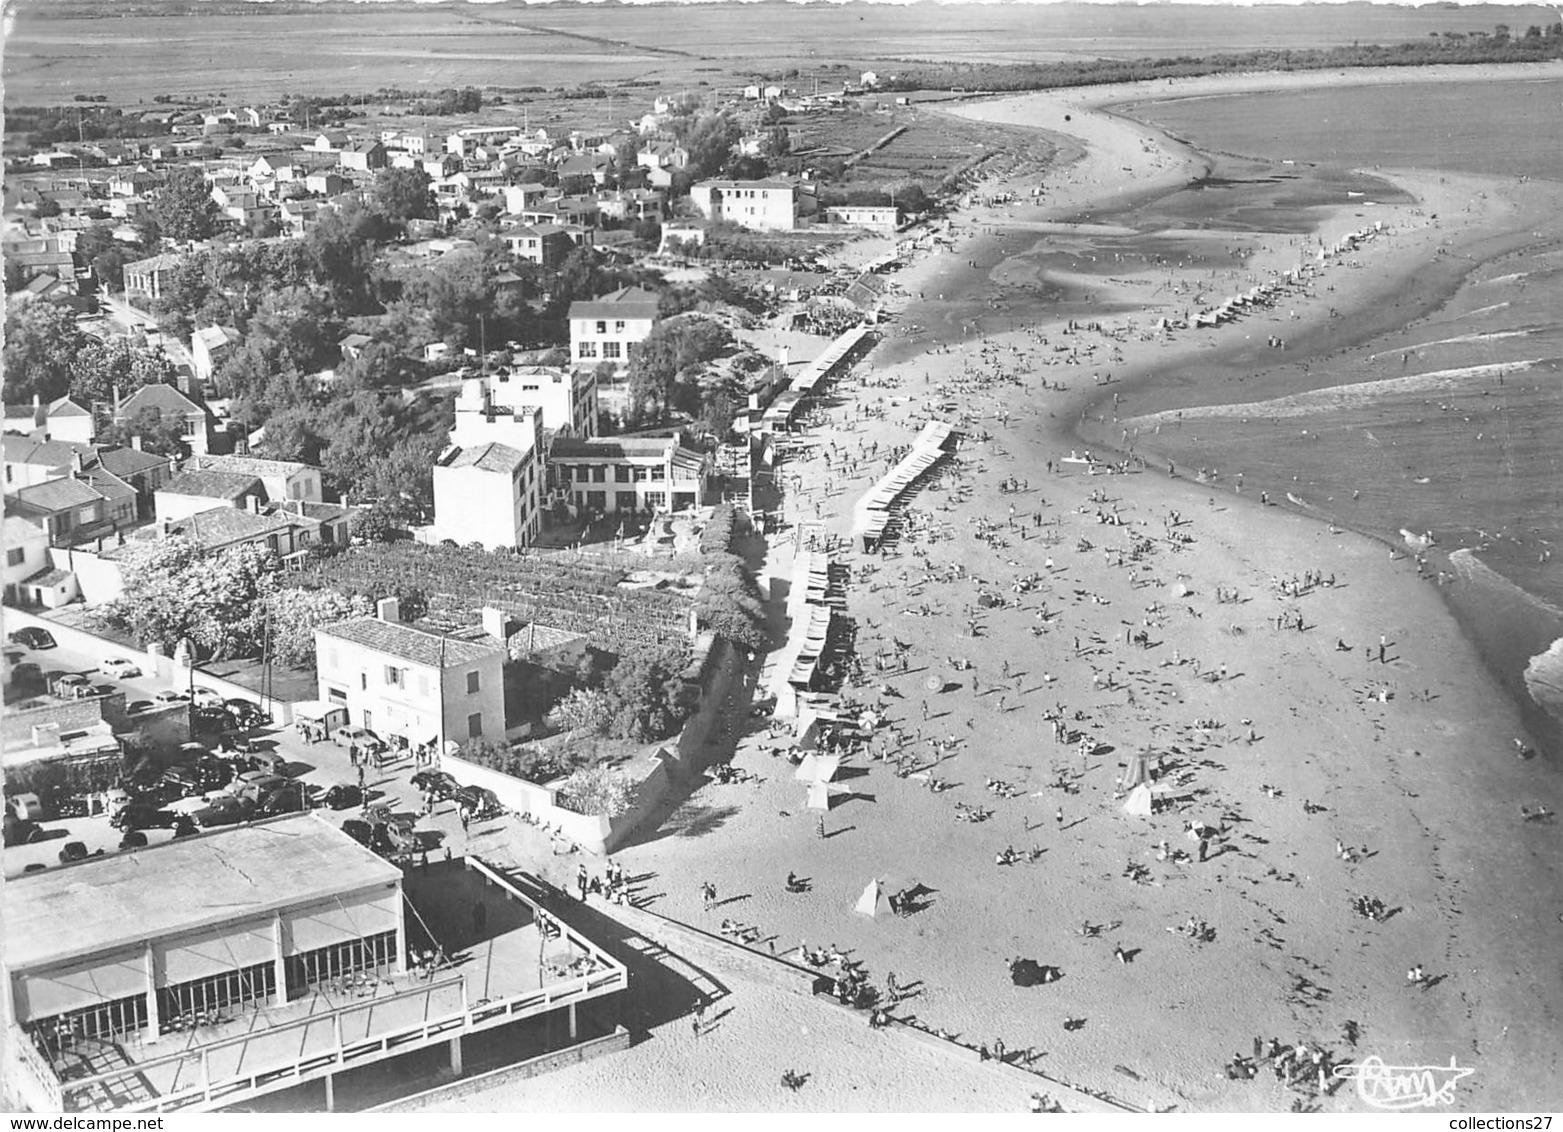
x,y
1139,801
817,768
873,901
1137,771
820,794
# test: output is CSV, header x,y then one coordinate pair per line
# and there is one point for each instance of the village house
x,y
410,684
73,510
197,428
28,572
61,419
146,278
364,156
624,474
329,141
875,218
544,244
191,492
210,347
580,210
567,398
604,329
282,479
662,155
761,206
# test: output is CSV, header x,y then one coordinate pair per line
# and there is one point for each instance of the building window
x,y
474,725
587,350
474,682
656,499
640,473
612,350
393,676
597,500
339,960
618,327
602,326
363,681
659,473
336,695
104,1021
621,473
600,474
15,557
564,473
624,501
331,658
180,1006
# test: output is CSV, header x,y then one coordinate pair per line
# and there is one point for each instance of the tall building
x,y
604,329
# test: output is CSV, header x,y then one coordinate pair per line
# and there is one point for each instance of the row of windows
x,y
624,500
397,678
622,473
612,351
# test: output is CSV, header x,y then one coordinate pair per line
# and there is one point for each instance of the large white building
x,y
492,406
415,685
604,329
763,206
628,474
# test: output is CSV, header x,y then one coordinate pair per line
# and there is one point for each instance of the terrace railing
x,y
33,1080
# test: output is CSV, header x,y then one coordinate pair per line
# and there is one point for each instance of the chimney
x,y
253,503
76,466
389,610
116,398
165,528
495,623
135,442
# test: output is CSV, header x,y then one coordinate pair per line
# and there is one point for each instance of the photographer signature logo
x,y
1399,1087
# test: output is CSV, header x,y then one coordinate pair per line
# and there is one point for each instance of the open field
x,y
55,50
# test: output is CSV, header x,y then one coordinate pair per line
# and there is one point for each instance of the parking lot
x,y
316,766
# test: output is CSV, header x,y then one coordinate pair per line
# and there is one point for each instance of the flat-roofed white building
x,y
763,206
567,398
628,474
604,329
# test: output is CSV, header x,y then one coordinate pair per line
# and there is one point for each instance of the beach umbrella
x,y
1140,802
875,899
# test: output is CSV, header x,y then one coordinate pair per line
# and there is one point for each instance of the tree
x,y
400,195
710,143
158,434
729,603
97,249
584,711
184,207
41,344
174,589
103,370
648,693
295,615
596,790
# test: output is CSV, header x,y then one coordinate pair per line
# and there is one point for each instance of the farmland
x,y
59,48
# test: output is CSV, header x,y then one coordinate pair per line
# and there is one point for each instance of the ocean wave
x,y
1543,674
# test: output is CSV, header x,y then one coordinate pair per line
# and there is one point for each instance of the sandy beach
x,y
1307,698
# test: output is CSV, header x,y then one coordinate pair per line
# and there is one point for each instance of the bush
x,y
729,604
648,695
596,790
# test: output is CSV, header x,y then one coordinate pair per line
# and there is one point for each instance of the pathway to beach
x,y
1346,859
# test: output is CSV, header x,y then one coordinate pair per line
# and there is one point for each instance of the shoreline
x,y
1136,613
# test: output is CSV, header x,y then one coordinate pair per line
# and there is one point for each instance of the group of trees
x,y
644,697
48,356
668,359
227,603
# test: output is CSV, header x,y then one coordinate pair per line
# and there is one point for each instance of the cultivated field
x,y
57,48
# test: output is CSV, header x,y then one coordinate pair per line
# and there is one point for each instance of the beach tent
x,y
807,729
1139,802
817,768
875,899
820,794
1136,772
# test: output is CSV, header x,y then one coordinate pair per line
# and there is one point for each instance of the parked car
x,y
138,815
214,720
136,707
75,806
133,839
361,736
67,683
120,668
26,806
478,802
170,696
223,810
435,782
206,698
290,798
269,761
214,773
359,831
26,672
342,797
74,851
32,637
34,867
19,831
185,778
248,713
115,799
254,785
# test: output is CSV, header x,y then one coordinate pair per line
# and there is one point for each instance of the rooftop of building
x,y
213,484
245,465
183,886
490,457
415,645
626,302
612,447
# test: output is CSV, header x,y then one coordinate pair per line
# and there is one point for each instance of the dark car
x,y
269,761
185,778
222,810
343,797
33,637
136,707
213,773
359,831
23,831
214,720
246,712
74,851
133,839
26,672
138,815
435,782
476,801
289,798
